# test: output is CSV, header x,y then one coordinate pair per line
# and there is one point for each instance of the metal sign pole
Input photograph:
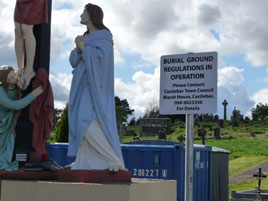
x,y
189,155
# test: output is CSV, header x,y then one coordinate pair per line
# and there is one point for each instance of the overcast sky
x,y
144,30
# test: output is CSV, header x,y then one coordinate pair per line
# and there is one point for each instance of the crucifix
x,y
225,103
41,51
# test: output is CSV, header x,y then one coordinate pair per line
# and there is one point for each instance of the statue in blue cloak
x,y
93,136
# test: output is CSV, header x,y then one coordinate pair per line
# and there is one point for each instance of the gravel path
x,y
249,174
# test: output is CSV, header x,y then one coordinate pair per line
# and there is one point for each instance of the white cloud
x,y
139,94
230,87
61,84
118,59
230,76
153,28
261,96
245,27
7,52
209,14
142,65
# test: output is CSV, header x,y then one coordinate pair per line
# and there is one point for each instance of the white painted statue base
x,y
138,190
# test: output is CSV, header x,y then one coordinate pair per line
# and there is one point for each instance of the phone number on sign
x,y
194,102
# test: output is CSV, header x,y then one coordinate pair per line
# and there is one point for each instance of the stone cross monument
x,y
225,103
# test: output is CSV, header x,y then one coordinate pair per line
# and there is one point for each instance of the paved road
x,y
249,174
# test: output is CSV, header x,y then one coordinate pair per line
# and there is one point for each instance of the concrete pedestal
x,y
137,190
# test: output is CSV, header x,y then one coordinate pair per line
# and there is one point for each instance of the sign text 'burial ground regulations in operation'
x,y
188,83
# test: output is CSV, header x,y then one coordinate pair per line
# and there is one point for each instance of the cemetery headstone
x,y
217,133
130,133
254,116
203,140
122,130
201,132
236,117
162,134
216,118
200,116
197,121
151,126
136,138
221,123
208,117
234,123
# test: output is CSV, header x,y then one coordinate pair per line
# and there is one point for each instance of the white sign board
x,y
188,83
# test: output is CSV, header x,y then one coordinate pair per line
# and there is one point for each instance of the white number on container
x,y
149,173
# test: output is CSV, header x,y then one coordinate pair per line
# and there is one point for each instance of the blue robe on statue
x,y
92,91
8,106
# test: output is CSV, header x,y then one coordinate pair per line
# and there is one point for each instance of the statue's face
x,y
12,77
85,17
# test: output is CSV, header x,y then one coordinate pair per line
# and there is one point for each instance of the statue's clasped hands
x,y
80,43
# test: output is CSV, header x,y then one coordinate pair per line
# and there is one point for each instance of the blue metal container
x,y
58,152
154,161
158,159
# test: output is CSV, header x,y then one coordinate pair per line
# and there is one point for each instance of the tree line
x,y
123,112
260,111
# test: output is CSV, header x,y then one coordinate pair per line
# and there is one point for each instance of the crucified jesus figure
x,y
27,14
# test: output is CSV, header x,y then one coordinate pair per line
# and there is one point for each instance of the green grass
x,y
127,138
130,138
246,152
134,128
242,147
243,164
235,139
247,185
